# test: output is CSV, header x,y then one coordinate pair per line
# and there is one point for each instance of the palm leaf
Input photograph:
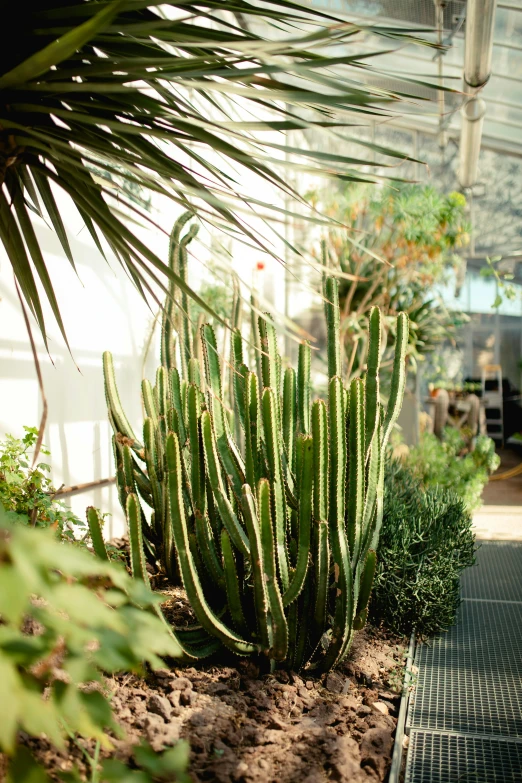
x,y
121,86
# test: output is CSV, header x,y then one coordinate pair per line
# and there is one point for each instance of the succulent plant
x,y
272,533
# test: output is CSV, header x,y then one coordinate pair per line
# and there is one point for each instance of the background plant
x,y
273,532
66,618
449,463
503,277
426,542
93,94
416,231
27,493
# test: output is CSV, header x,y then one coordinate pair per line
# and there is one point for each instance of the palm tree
x,y
143,89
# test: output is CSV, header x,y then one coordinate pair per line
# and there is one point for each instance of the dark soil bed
x,y
252,728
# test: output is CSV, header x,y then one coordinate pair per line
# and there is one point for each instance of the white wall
x,y
102,311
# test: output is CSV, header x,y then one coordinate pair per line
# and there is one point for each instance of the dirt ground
x,y
252,728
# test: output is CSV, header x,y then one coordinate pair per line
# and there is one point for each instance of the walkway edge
x,y
398,750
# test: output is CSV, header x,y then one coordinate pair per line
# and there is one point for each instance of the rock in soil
x,y
244,727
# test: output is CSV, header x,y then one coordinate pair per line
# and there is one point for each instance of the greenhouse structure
x,y
261,391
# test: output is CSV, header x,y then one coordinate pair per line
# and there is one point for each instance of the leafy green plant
x,y
96,93
272,533
449,463
171,765
505,288
426,542
150,767
66,618
27,493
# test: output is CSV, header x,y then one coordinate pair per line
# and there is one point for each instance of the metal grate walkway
x,y
465,716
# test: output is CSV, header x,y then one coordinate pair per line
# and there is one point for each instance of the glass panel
x,y
481,320
482,293
510,353
483,350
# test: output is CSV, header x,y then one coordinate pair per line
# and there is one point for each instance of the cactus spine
x,y
271,522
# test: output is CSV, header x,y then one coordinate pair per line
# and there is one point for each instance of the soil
x,y
251,728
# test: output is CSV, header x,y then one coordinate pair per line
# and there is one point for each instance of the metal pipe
x,y
439,25
480,20
480,23
472,114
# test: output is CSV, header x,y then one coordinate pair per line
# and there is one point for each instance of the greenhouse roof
x,y
502,93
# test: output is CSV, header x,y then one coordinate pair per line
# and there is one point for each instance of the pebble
x,y
389,695
218,687
139,692
335,683
174,697
187,697
241,770
159,705
180,684
381,707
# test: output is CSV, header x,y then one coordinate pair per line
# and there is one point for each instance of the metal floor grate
x,y
447,758
497,574
470,678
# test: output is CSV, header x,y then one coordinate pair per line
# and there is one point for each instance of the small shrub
x,y
448,463
426,541
66,618
27,493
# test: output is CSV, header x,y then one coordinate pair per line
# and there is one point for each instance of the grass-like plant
x,y
426,542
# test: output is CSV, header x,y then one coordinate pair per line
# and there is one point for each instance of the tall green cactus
x,y
271,523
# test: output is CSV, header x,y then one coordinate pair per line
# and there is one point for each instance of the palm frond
x,y
144,90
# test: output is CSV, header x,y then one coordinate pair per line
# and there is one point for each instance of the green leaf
x,y
24,769
93,110
14,595
114,771
173,761
61,49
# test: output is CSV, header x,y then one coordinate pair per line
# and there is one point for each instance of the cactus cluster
x,y
273,531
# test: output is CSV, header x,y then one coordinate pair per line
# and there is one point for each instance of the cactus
x,y
95,523
266,506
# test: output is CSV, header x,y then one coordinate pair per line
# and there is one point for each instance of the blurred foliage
x,y
218,295
505,288
27,493
426,541
449,463
416,232
66,618
171,765
151,767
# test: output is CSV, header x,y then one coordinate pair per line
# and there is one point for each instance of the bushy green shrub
x,y
449,463
66,618
426,541
26,492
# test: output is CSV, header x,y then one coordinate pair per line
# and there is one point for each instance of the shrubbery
x,y
426,541
27,493
448,463
66,618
